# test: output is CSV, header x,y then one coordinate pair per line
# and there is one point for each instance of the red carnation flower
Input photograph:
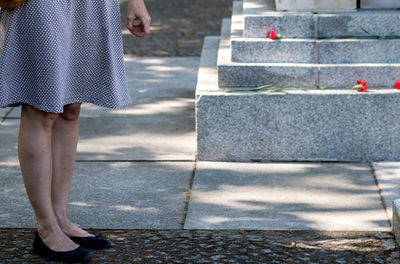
x,y
364,85
272,34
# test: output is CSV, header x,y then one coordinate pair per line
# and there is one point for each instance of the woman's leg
x,y
34,152
64,144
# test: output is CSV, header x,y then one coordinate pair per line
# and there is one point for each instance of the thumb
x,y
129,22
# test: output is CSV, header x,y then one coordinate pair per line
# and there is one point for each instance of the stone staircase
x,y
311,115
328,50
323,53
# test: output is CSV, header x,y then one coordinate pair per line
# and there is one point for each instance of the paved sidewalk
x,y
136,171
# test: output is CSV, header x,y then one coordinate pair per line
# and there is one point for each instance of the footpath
x,y
137,182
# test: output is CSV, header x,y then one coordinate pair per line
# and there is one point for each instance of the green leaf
x,y
358,86
348,36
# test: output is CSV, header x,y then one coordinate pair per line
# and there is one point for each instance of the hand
x,y
138,19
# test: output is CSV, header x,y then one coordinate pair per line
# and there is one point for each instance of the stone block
x,y
285,23
362,23
301,5
340,125
380,4
337,125
256,7
344,75
396,220
274,51
359,51
236,75
388,179
237,20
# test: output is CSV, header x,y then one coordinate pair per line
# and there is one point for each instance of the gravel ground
x,y
221,246
178,26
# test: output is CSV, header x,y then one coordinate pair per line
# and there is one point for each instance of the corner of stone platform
x,y
396,220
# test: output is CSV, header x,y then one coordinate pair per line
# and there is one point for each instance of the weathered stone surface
x,y
315,125
167,135
302,125
4,112
208,67
285,196
345,75
284,51
297,5
396,220
359,51
388,178
9,130
237,20
287,24
126,195
380,4
282,75
234,74
255,7
362,23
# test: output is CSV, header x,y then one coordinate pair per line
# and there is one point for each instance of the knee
x,y
71,112
45,120
48,119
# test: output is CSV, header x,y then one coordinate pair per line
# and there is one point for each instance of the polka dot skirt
x,y
60,52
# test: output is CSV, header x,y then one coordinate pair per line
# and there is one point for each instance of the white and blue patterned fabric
x,y
58,52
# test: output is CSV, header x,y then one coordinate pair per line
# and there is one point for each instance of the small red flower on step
x,y
398,85
363,84
272,35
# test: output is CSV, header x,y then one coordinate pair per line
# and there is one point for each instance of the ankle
x,y
45,229
62,219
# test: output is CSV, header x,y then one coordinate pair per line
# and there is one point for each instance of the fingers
x,y
141,28
146,25
129,21
137,12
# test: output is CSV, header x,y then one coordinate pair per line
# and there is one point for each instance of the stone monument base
x,y
301,5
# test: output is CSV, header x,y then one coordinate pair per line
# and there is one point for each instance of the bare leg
x,y
64,144
34,152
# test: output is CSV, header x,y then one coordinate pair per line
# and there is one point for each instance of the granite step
x,y
274,51
288,24
332,51
311,125
233,74
360,23
365,23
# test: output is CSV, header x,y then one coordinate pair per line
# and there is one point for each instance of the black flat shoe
x,y
92,242
77,255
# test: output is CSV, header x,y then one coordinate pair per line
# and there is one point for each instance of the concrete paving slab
x,y
285,196
14,113
152,135
125,195
165,136
9,129
4,112
388,178
157,84
160,124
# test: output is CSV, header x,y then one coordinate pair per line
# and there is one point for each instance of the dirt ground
x,y
178,26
